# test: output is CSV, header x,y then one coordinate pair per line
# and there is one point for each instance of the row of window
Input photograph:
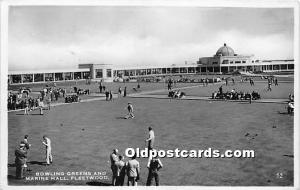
x,y
44,77
99,73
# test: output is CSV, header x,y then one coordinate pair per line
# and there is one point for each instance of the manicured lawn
x,y
84,134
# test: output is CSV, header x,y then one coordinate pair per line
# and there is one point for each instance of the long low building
x,y
223,62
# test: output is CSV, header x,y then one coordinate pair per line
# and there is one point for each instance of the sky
x,y
53,37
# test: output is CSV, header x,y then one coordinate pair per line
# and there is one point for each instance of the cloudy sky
x,y
64,36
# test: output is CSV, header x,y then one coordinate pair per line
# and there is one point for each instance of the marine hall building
x,y
225,61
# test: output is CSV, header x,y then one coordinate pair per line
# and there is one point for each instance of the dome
x,y
225,51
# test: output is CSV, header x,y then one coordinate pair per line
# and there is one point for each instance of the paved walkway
x,y
149,94
282,101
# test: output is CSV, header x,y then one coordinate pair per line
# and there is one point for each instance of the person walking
x,y
154,165
133,171
47,143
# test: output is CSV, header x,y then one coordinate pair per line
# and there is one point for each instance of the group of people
x,y
21,155
72,98
131,168
235,95
176,94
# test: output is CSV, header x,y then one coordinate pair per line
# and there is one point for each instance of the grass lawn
x,y
84,134
282,91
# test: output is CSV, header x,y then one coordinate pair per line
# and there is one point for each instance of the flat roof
x,y
48,71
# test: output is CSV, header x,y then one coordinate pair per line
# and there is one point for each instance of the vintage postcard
x,y
150,93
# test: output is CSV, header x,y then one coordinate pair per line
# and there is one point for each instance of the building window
x,y
290,66
209,69
38,77
108,73
68,76
183,70
86,75
99,73
237,61
283,67
214,62
28,78
224,70
58,76
77,75
216,69
243,61
231,62
126,73
49,77
16,79
275,67
225,62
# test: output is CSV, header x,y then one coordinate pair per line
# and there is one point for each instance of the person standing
x,y
133,171
100,87
49,102
106,95
276,82
20,160
269,85
119,92
110,96
27,146
47,143
121,171
26,109
221,90
114,168
154,165
40,105
125,91
206,82
150,140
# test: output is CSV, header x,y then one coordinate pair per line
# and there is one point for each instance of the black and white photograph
x,y
150,93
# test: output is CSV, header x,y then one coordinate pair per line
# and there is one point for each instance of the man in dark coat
x,y
20,161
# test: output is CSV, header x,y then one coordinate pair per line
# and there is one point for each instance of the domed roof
x,y
225,51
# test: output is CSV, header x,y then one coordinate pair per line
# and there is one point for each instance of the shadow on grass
x,y
121,117
244,103
284,113
289,155
37,163
97,183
